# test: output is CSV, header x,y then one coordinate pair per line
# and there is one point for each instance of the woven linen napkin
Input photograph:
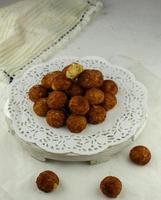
x,y
36,29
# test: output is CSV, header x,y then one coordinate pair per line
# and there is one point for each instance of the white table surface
x,y
126,28
127,31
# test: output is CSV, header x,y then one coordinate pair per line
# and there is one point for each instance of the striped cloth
x,y
35,29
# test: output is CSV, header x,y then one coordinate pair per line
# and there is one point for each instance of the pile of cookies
x,y
74,97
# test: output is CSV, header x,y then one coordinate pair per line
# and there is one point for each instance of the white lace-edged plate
x,y
121,123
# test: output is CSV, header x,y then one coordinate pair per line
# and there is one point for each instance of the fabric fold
x,y
33,29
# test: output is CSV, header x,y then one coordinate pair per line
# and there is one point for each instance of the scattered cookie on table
x,y
140,155
47,181
111,186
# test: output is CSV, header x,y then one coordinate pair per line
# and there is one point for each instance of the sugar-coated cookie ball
x,y
76,123
61,82
40,107
109,101
37,92
109,86
56,118
90,78
48,79
140,155
78,105
94,96
96,114
111,186
57,100
47,181
75,90
73,70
